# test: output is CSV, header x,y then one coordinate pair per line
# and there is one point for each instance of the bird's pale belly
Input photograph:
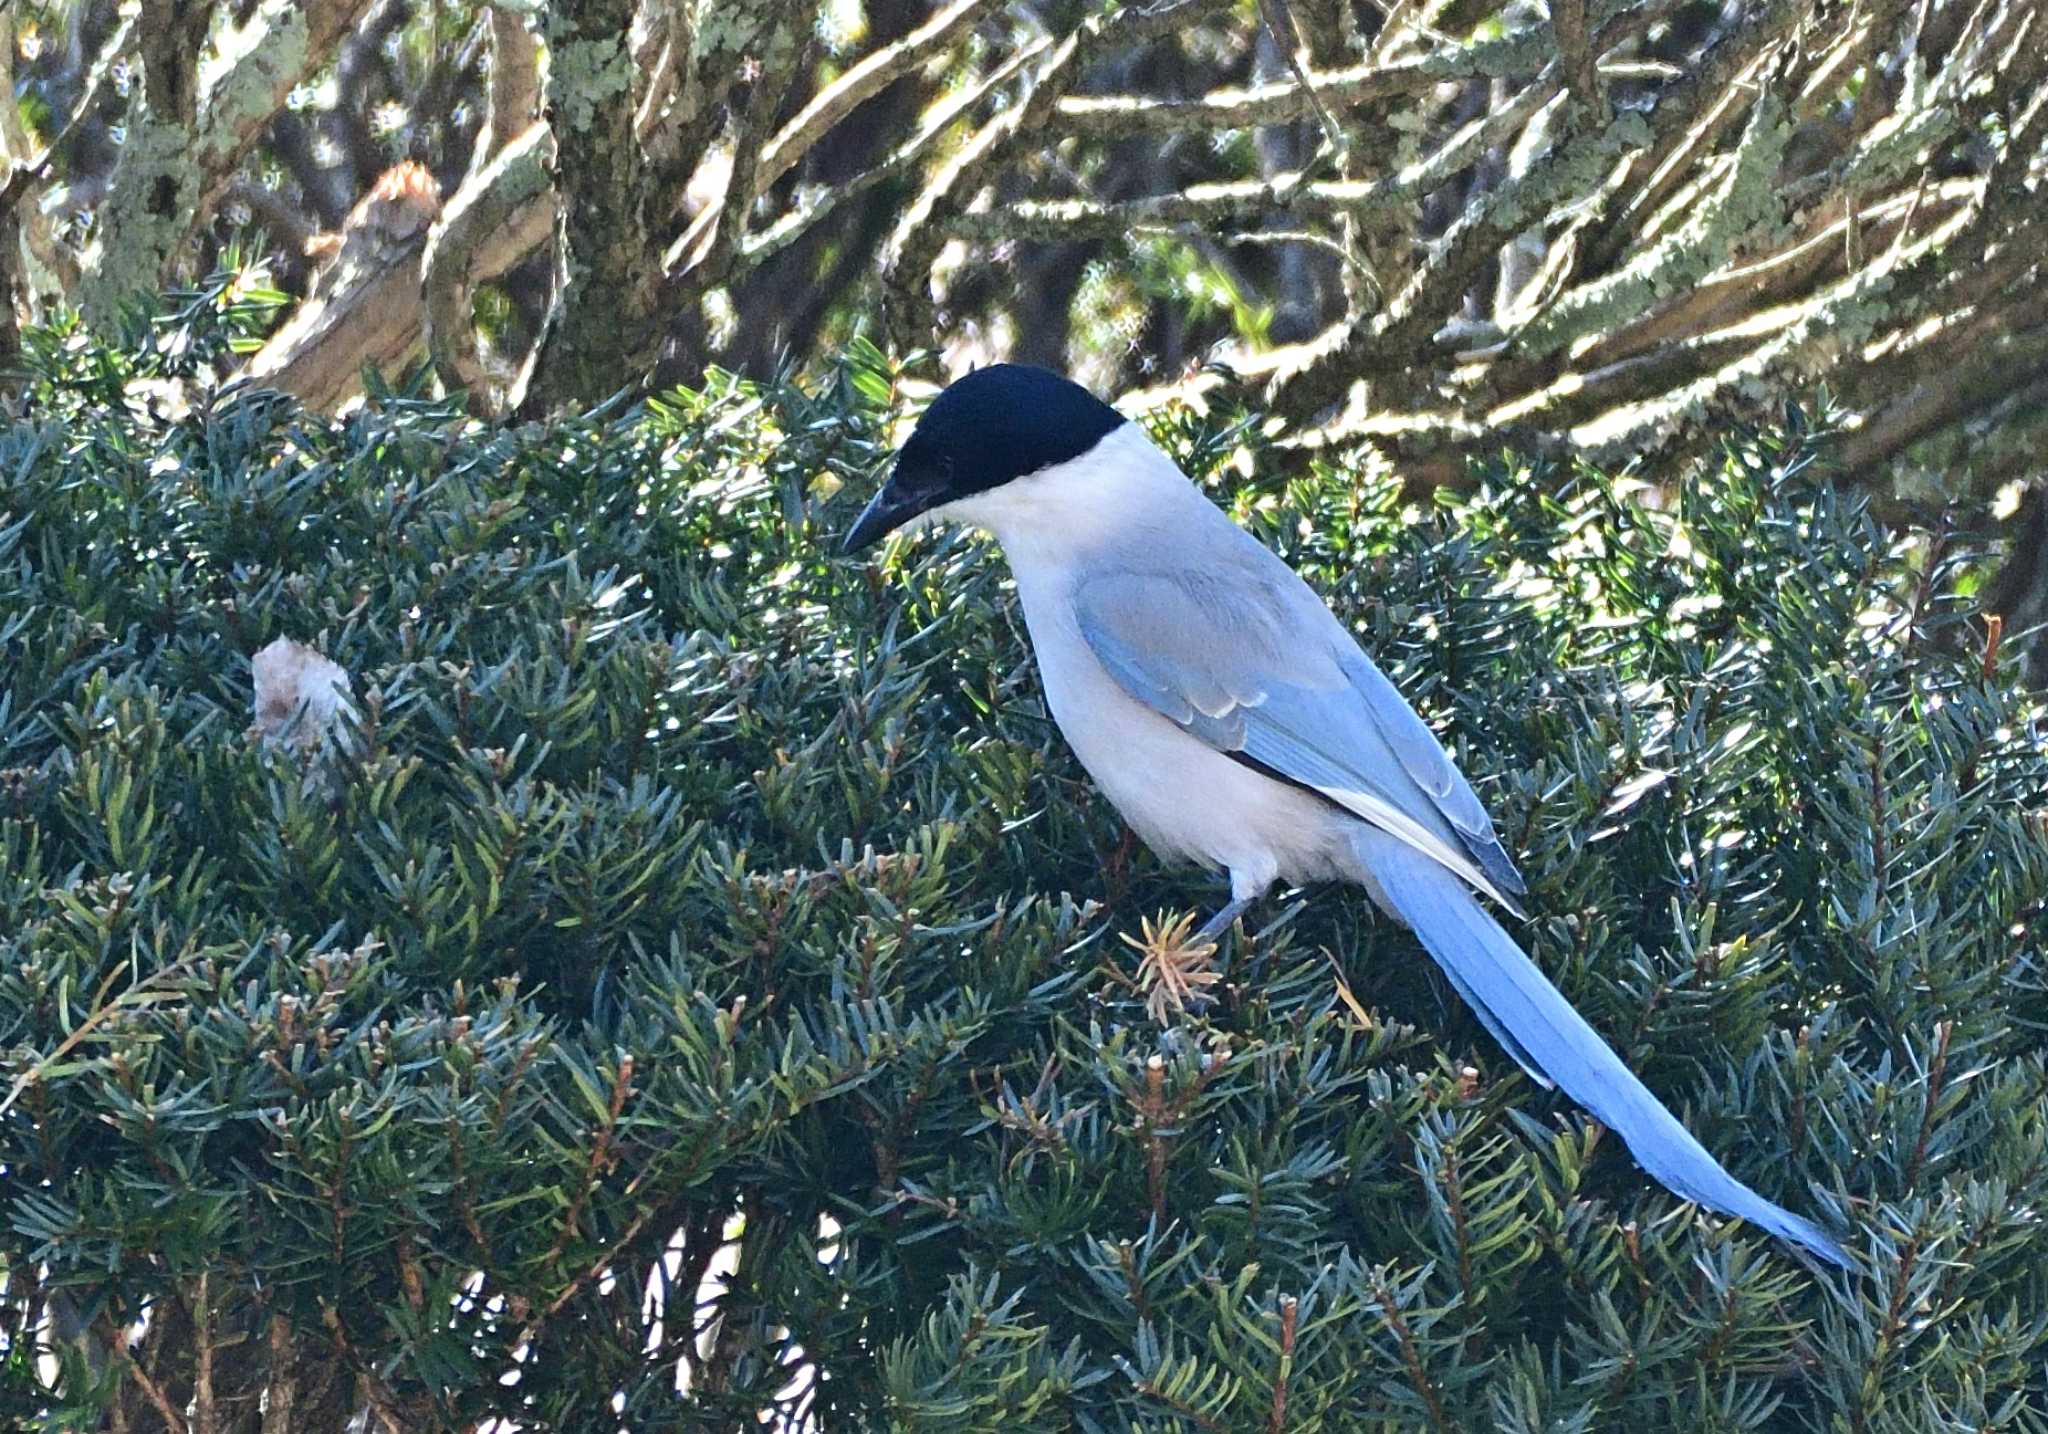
x,y
1184,799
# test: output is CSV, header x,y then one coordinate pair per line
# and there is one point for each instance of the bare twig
x,y
1519,52
205,1413
809,215
173,1421
285,222
384,1400
921,233
745,182
1290,1311
596,1163
1234,200
861,82
281,1390
1411,1358
1279,18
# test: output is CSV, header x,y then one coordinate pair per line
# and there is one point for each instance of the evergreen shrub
x,y
687,993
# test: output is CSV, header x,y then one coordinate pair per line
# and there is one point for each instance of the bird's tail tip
x,y
1552,1041
1806,1235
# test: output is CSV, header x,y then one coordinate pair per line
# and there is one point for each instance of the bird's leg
x,y
1176,962
1212,930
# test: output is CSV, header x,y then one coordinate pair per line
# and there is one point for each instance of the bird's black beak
x,y
887,511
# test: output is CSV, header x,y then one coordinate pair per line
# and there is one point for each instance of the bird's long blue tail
x,y
1539,1028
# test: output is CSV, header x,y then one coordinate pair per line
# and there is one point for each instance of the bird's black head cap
x,y
995,424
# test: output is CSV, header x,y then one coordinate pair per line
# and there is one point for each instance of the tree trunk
x,y
605,329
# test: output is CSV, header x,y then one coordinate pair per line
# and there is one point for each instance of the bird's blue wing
x,y
1250,661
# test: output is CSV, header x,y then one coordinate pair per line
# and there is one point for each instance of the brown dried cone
x,y
1172,971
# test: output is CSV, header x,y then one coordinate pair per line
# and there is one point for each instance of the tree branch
x,y
808,215
922,232
1518,53
514,92
606,319
365,307
260,64
502,213
1236,200
1574,48
178,159
860,83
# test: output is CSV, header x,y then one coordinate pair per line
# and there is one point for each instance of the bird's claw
x,y
1173,970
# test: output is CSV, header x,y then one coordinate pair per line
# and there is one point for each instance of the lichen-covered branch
x,y
1712,91
155,186
1391,347
1609,221
191,126
502,213
365,308
920,234
1741,202
606,323
259,62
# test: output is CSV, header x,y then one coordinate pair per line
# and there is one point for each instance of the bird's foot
x,y
1174,967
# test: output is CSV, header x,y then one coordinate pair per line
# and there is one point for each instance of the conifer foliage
x,y
683,990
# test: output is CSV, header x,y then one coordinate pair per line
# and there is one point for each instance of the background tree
x,y
677,983
1421,232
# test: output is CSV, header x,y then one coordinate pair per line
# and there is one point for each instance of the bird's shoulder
x,y
1232,611
1215,571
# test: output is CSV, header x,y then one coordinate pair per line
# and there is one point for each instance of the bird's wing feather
x,y
1245,657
